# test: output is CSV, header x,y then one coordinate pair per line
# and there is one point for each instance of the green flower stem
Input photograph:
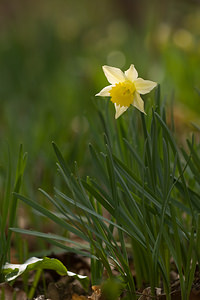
x,y
35,283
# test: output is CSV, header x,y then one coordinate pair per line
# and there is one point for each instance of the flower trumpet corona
x,y
125,88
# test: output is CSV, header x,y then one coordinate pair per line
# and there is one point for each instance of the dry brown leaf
x,y
9,292
194,296
146,294
97,293
53,291
77,297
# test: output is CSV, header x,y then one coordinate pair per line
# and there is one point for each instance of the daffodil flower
x,y
125,88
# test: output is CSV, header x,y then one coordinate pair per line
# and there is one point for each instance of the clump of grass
x,y
8,209
143,202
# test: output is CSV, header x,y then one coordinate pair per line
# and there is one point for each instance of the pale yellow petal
x,y
138,102
114,75
105,91
119,110
131,73
144,86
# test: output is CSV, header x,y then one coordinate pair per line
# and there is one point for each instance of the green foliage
x,y
8,211
112,288
12,271
143,202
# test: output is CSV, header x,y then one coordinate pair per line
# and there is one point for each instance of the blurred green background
x,y
51,53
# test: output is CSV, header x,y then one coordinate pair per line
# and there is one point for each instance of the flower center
x,y
122,93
